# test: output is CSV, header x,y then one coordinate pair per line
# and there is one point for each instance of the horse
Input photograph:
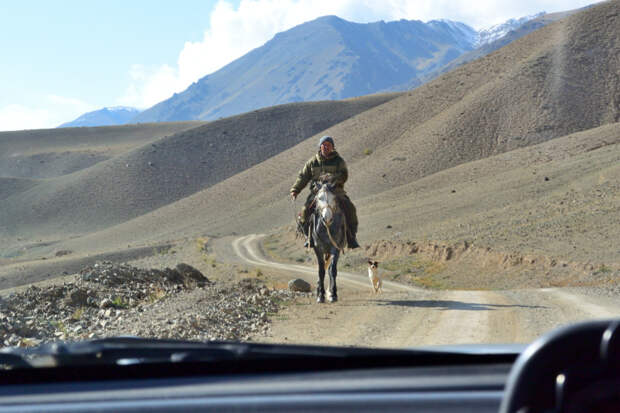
x,y
328,232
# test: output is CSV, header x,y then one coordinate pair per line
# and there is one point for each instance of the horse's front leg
x,y
333,273
320,287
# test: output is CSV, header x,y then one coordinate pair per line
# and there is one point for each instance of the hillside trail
x,y
405,316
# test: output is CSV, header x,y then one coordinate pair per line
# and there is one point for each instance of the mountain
x,y
327,58
515,151
463,157
117,115
487,41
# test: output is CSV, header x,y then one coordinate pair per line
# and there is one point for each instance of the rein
x,y
293,209
329,233
318,215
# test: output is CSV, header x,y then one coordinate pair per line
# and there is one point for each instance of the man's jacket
x,y
319,165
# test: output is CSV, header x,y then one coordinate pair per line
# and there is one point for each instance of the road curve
x,y
405,316
246,248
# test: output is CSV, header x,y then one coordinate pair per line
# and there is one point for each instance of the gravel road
x,y
409,316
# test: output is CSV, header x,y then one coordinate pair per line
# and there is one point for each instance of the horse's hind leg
x,y
320,287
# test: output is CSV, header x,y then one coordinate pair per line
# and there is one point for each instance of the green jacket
x,y
319,165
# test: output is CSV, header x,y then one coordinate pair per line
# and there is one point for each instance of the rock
x,y
190,273
77,298
299,285
106,303
172,276
89,276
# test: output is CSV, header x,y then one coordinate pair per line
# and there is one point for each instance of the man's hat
x,y
326,138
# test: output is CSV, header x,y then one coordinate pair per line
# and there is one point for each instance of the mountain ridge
x,y
460,34
339,59
108,116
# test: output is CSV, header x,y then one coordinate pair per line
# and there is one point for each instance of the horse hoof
x,y
333,299
320,299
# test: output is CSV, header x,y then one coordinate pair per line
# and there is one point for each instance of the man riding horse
x,y
326,161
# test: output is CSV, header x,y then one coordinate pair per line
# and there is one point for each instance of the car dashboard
x,y
438,389
574,369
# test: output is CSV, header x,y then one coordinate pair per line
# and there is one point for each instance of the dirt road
x,y
408,316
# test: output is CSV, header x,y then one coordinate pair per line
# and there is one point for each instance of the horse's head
x,y
326,204
327,181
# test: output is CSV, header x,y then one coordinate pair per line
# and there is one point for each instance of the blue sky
x,y
51,44
65,57
77,55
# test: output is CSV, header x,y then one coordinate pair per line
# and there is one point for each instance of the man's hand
x,y
293,196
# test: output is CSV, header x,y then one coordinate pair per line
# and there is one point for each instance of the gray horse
x,y
328,236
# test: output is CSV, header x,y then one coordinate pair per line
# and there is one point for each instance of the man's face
x,y
326,148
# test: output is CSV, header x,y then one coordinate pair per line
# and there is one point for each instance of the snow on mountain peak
x,y
459,30
121,109
497,31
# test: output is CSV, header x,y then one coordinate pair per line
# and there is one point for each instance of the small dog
x,y
373,274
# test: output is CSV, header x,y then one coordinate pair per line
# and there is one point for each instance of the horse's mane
x,y
326,178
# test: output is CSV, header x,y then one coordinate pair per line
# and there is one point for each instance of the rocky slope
x,y
108,299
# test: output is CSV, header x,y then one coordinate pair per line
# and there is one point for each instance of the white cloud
x,y
485,13
235,31
150,85
68,102
55,111
18,117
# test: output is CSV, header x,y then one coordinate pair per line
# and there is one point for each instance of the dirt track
x,y
407,316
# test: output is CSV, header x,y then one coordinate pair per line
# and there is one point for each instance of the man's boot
x,y
305,224
351,241
351,232
351,217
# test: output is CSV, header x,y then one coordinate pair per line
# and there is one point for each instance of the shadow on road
x,y
453,305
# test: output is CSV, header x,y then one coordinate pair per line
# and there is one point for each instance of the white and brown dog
x,y
373,274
